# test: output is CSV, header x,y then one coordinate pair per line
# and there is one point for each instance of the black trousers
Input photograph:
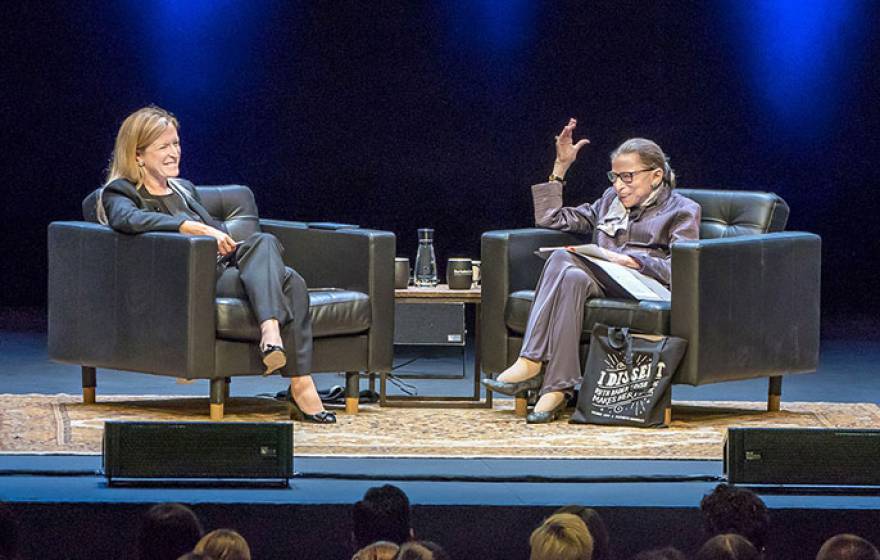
x,y
275,291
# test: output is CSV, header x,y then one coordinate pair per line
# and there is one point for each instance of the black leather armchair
x,y
147,302
745,296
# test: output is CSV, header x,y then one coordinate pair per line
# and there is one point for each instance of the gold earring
x,y
140,164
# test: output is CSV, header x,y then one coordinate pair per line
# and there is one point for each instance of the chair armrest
x,y
132,302
331,225
749,306
508,264
351,259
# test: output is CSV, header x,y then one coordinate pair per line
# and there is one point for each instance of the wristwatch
x,y
556,178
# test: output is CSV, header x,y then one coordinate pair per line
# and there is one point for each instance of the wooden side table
x,y
441,294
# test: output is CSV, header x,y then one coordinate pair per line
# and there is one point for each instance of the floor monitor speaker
x,y
429,324
809,456
252,452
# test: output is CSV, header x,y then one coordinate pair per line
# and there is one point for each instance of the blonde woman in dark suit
x,y
143,193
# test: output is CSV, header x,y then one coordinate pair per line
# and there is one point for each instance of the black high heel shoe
x,y
296,413
548,416
512,389
274,359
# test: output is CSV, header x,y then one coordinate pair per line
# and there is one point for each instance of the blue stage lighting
x,y
799,56
197,49
494,25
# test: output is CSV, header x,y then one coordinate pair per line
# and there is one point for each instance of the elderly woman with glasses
x,y
635,220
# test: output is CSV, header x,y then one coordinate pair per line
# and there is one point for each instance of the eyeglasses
x,y
626,176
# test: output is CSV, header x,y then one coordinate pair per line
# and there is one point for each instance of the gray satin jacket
x,y
651,230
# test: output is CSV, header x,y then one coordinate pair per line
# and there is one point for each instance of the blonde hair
x,y
224,544
650,154
414,551
138,130
379,550
562,536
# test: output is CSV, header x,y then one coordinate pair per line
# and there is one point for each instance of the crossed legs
x,y
553,331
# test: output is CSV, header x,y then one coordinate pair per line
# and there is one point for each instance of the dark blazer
x,y
130,212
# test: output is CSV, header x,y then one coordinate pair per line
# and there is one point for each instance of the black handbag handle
x,y
655,358
620,338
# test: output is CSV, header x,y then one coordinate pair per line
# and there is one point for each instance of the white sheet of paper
x,y
639,285
627,280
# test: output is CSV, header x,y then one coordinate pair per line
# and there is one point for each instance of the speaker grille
x,y
437,324
198,450
803,456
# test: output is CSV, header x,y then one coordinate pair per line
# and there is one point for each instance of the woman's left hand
x,y
623,260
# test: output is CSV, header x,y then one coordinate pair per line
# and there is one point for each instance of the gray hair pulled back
x,y
650,154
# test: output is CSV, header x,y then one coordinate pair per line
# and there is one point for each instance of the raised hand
x,y
567,149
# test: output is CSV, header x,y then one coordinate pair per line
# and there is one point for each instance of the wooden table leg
x,y
774,394
352,391
89,382
521,406
218,397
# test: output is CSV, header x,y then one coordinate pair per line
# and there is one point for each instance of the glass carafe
x,y
425,269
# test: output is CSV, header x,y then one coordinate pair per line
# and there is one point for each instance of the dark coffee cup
x,y
459,274
401,273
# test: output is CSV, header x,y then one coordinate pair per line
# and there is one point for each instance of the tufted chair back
x,y
735,213
235,206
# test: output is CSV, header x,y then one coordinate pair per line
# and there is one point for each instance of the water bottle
x,y
425,270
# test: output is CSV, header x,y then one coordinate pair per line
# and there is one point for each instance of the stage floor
x,y
847,373
476,507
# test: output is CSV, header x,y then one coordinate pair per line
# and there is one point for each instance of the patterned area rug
x,y
62,424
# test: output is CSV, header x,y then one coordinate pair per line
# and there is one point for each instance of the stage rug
x,y
62,424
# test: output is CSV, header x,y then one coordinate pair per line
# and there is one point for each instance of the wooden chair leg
x,y
352,391
774,394
89,382
667,415
521,406
219,390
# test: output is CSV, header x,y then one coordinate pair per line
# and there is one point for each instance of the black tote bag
x,y
627,378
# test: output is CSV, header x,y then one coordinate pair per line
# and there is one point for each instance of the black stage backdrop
x,y
402,115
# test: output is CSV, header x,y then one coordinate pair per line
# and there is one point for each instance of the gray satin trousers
x,y
275,291
556,319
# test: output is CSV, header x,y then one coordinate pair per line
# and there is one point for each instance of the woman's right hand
x,y
225,244
567,149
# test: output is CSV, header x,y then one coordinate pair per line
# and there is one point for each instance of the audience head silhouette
x,y
596,527
438,552
728,546
847,547
729,509
562,536
168,531
224,544
382,515
421,550
381,550
666,553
